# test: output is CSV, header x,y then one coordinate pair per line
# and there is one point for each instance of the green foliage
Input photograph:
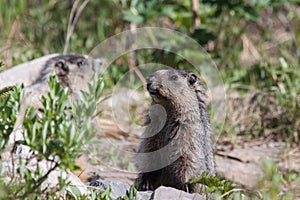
x,y
42,27
56,132
1,65
281,81
213,184
55,128
267,75
10,101
113,74
270,186
106,194
131,194
274,181
93,194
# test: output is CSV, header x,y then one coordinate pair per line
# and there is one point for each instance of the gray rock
x,y
9,173
118,189
147,195
166,193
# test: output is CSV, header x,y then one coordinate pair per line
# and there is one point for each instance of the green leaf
x,y
106,194
73,191
44,136
131,17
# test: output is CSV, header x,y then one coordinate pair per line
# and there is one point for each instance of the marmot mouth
x,y
152,89
153,92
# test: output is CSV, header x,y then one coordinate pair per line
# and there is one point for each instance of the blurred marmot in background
x,y
73,71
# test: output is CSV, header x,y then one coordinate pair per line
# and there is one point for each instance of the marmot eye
x,y
173,78
81,63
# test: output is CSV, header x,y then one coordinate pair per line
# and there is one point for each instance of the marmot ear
x,y
61,68
192,78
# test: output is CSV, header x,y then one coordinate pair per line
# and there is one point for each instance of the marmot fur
x,y
180,148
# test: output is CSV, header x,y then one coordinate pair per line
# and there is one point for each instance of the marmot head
x,y
175,87
75,71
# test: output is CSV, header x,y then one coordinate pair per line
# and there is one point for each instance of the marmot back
x,y
181,147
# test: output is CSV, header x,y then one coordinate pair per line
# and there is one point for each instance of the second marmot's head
x,y
75,71
173,87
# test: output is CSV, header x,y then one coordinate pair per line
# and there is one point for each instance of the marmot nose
x,y
148,86
152,88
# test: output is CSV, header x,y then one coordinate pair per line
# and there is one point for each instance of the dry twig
x,y
195,7
12,32
73,19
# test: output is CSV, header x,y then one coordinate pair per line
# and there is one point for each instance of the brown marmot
x,y
177,144
73,71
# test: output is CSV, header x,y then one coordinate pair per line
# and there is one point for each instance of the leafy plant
x,y
106,194
56,133
131,194
213,184
10,101
279,82
274,184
